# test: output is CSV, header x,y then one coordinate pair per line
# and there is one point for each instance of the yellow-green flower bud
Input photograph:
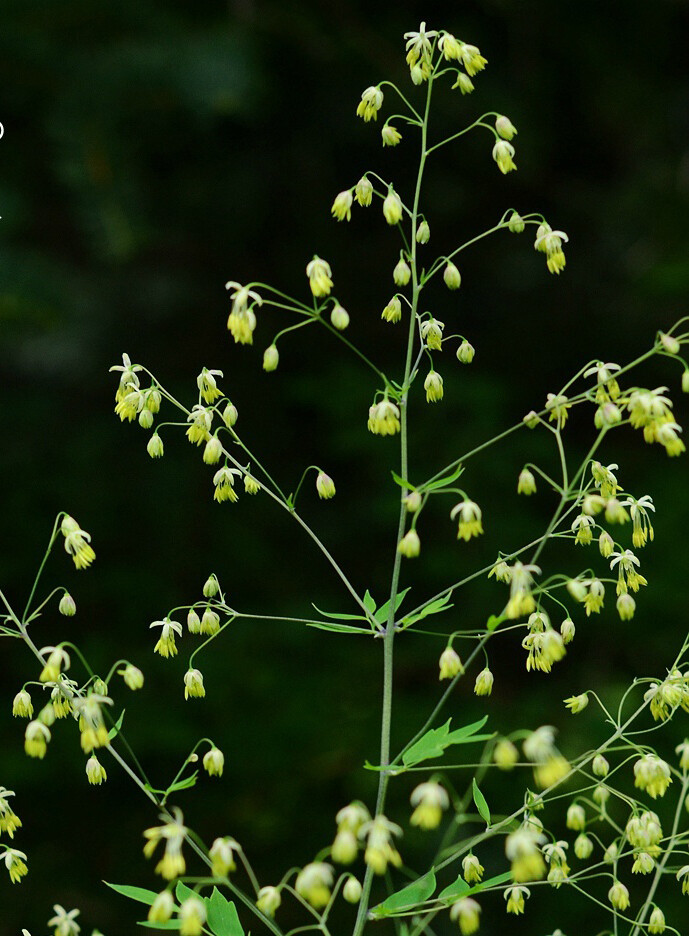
x,y
643,863
67,605
576,817
133,677
325,486
221,854
314,883
600,766
36,738
505,754
339,318
16,865
656,922
685,381
269,900
211,586
363,192
390,135
145,418
683,876
583,846
505,128
567,630
515,899
155,446
210,622
319,274
432,334
683,751
464,83
527,483
465,352
484,683
271,358
466,912
344,849
192,916
410,544
429,800
450,664
214,762
402,273
230,415
433,385
193,684
392,207
412,501
423,233
251,485
212,451
392,311
193,622
371,102
626,606
531,419
472,869
95,772
516,223
352,890
618,895
342,206
452,276
577,703
606,544
162,908
669,343
503,153
22,706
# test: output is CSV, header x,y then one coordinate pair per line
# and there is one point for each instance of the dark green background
x,y
154,150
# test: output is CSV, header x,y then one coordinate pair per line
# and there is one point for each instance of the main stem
x,y
389,638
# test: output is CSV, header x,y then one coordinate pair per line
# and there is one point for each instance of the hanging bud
x,y
67,605
484,683
450,664
410,544
433,385
230,415
271,358
390,135
162,908
402,273
352,890
503,153
465,352
516,223
95,772
155,446
423,233
527,483
505,128
392,207
339,318
193,684
268,901
212,451
363,192
325,486
342,206
133,677
214,762
22,706
412,501
452,276
211,586
669,343
392,311
464,83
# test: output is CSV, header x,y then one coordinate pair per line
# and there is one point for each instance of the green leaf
x,y
443,482
185,784
135,893
433,607
481,804
402,483
339,628
115,730
340,617
222,915
369,602
183,892
170,925
381,614
460,888
495,621
434,742
411,895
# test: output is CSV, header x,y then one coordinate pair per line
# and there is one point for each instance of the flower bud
x,y
412,502
193,622
531,420
472,869
567,630
516,223
155,446
685,381
95,772
656,922
392,207
390,135
464,83
271,358
423,233
67,605
505,754
339,318
363,192
466,912
268,900
193,684
503,153
251,485
669,343
214,762
145,418
618,895
402,273
452,276
484,683
22,706
465,352
230,415
352,890
450,664
505,128
583,846
133,677
410,544
433,385
600,766
325,486
212,451
192,916
527,483
626,606
162,908
342,206
211,587
577,703
576,817
392,311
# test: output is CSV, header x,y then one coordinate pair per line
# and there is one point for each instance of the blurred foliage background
x,y
152,152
